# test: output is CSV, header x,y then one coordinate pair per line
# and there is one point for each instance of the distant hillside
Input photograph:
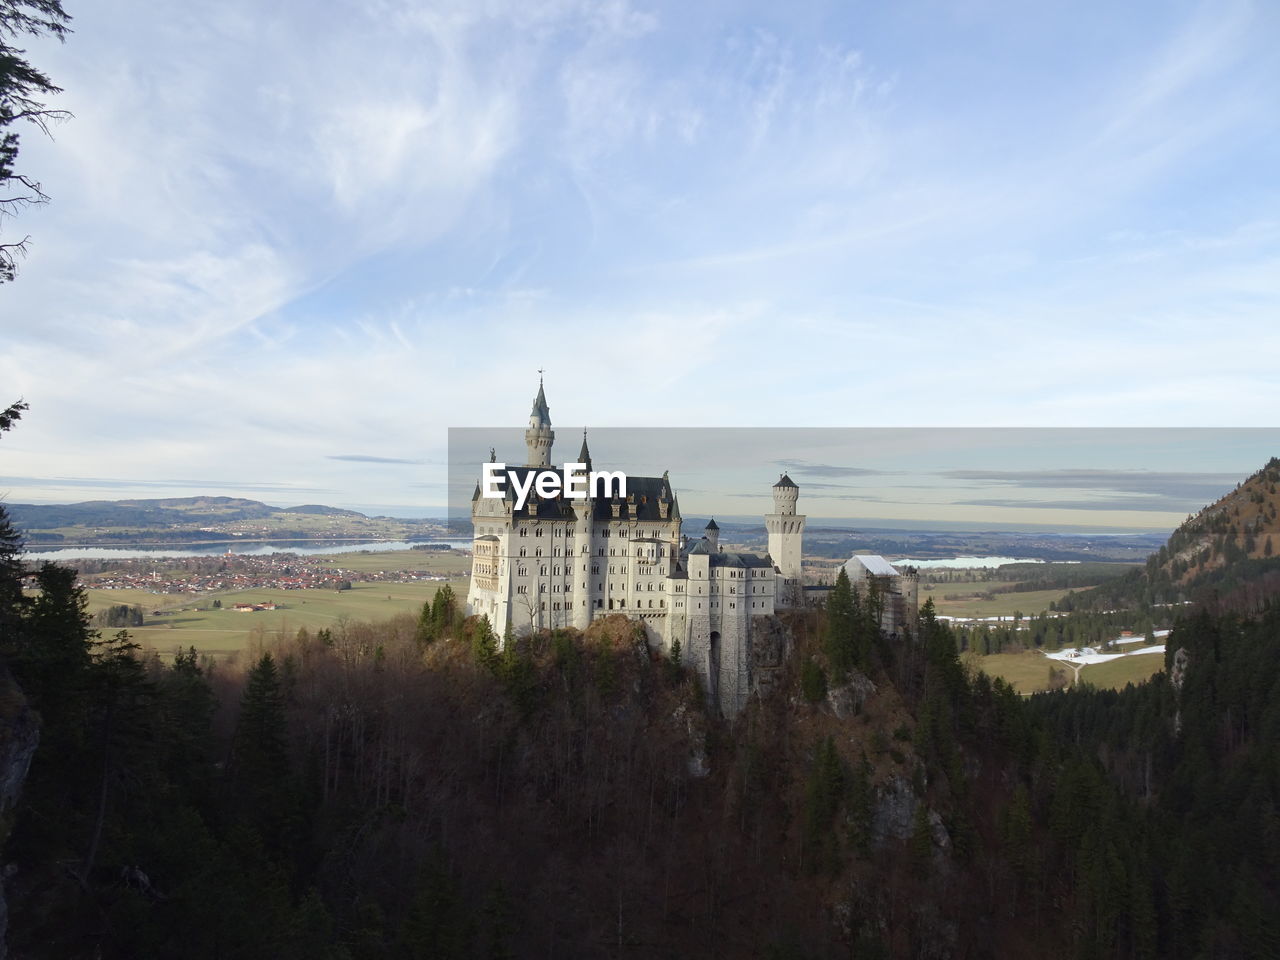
x,y
203,519
1227,554
323,510
150,513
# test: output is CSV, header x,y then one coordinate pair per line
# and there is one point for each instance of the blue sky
x,y
285,240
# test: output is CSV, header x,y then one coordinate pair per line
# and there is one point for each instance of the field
x,y
436,561
1029,672
227,631
1028,603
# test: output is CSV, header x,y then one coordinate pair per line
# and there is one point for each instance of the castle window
x,y
524,531
542,588
538,532
537,551
522,551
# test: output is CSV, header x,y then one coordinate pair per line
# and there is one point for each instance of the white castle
x,y
559,562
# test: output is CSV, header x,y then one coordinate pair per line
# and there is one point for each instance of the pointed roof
x,y
540,409
785,481
584,455
712,525
476,496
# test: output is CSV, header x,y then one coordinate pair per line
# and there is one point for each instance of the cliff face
x,y
19,737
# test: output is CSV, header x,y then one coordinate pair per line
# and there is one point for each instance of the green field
x,y
435,561
226,631
1029,602
1029,672
1116,673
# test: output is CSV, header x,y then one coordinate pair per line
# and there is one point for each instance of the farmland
x,y
1028,672
225,631
175,619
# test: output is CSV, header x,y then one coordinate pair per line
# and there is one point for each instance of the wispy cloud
x,y
282,231
362,458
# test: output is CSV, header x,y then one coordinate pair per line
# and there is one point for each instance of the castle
x,y
896,591
557,562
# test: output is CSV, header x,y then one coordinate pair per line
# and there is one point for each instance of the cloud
x,y
1153,503
129,483
362,458
1188,487
807,469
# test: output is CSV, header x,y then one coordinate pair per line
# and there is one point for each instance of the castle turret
x,y
713,535
583,555
786,538
539,437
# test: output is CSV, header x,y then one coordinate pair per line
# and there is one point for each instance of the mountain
x,y
179,519
136,513
1227,555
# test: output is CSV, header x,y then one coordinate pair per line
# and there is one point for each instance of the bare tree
x,y
21,86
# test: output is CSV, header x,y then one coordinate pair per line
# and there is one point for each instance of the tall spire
x,y
539,437
541,413
584,455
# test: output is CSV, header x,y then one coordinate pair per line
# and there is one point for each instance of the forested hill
x,y
149,513
1227,555
116,522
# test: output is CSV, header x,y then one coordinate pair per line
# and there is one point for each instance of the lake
x,y
243,548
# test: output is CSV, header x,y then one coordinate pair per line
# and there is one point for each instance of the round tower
x,y
539,437
785,495
786,537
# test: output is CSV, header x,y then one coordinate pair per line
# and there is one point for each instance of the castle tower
x,y
786,533
713,535
584,545
539,437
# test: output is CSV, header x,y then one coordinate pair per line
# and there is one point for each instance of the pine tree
x,y
444,612
840,626
259,769
484,645
921,843
425,631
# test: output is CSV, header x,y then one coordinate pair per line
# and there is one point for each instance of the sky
x,y
291,245
1058,480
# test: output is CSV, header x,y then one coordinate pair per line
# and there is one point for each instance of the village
x,y
199,575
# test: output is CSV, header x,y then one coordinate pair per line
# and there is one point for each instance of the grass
x,y
1029,672
1114,674
1025,672
225,631
1029,602
434,561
